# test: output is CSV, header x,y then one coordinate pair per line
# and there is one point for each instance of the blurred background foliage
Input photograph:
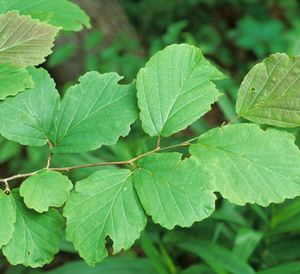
x,y
234,35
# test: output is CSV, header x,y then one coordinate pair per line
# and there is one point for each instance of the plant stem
x,y
128,162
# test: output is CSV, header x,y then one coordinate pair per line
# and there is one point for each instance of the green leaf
x,y
172,191
270,92
174,89
217,256
104,204
13,80
60,13
251,165
27,117
93,113
24,41
36,238
287,268
7,217
45,189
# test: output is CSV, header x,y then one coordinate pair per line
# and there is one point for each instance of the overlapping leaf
x,y
23,40
13,80
7,218
27,117
174,89
251,165
172,191
36,238
60,13
45,189
104,204
270,92
93,113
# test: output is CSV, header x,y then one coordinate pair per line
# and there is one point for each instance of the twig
x,y
128,162
50,154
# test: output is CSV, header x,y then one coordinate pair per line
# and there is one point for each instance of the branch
x,y
128,162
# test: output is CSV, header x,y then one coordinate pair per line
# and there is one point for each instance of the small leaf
x,y
13,80
7,217
172,191
270,92
93,113
60,13
104,204
36,238
24,41
174,89
251,165
45,189
27,117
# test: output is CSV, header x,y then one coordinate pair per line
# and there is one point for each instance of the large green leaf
x,y
27,117
251,165
60,13
95,112
270,92
24,41
174,89
36,238
45,189
13,80
104,204
7,217
172,191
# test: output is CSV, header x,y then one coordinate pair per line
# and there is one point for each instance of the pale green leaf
x,y
104,204
13,80
174,89
251,165
27,117
93,113
270,92
60,13
36,238
174,192
45,189
7,217
24,41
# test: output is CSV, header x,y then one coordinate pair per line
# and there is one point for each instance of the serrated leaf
x,y
7,217
251,165
174,89
27,117
13,80
104,204
174,192
24,41
93,113
36,238
60,13
270,92
45,189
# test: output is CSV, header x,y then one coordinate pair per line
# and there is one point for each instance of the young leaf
x,y
26,118
60,13
270,92
174,89
45,189
36,238
104,204
24,41
7,217
172,191
93,113
13,80
251,165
